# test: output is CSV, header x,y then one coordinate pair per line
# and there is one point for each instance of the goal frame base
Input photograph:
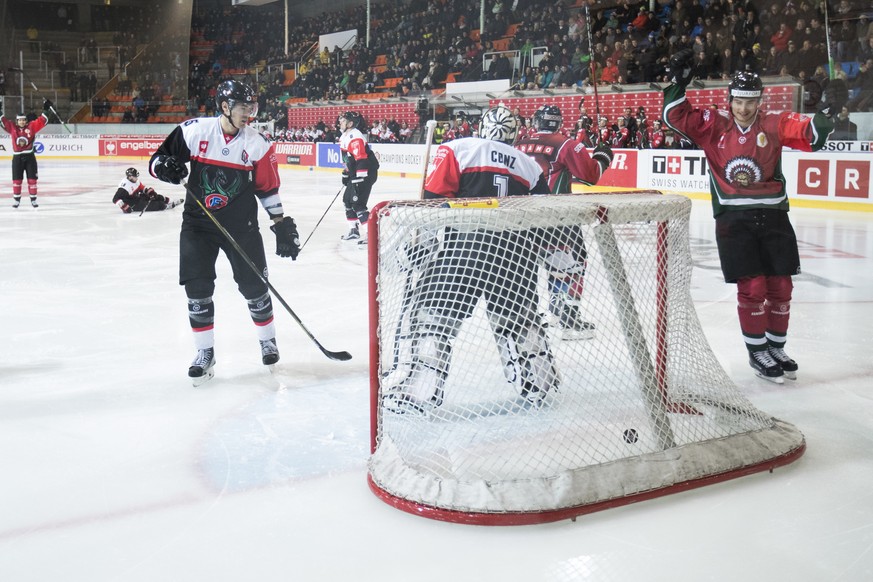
x,y
571,513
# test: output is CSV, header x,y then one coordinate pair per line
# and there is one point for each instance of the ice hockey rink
x,y
113,467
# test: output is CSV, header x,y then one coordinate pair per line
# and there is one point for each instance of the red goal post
x,y
488,406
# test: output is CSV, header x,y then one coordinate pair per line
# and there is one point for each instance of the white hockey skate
x,y
354,234
203,367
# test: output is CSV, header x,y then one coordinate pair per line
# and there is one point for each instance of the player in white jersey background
x,y
134,196
361,171
233,167
464,266
757,246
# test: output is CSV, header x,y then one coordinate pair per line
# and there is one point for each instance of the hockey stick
x,y
407,284
340,356
39,94
329,206
146,207
593,67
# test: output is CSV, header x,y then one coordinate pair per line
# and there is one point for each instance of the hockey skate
x,y
421,380
766,367
203,367
16,202
33,203
567,318
789,366
353,234
269,352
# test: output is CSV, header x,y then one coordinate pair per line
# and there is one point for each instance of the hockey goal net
x,y
538,358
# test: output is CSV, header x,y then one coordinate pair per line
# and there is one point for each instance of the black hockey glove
x,y
287,239
169,169
828,110
345,177
47,105
680,67
602,154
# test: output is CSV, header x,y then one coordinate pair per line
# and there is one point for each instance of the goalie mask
x,y
746,86
548,118
499,124
235,94
132,174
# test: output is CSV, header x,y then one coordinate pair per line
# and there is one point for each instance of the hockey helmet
x,y
233,93
355,118
548,118
586,122
20,117
131,173
745,85
499,124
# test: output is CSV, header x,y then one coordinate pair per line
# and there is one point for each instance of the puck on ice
x,y
630,435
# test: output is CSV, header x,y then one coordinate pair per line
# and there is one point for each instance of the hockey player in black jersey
x,y
497,266
233,167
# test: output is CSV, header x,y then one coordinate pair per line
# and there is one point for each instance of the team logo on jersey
x,y
706,115
245,156
761,140
743,171
204,145
225,151
215,201
218,188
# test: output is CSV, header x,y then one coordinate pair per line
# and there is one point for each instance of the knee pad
x,y
752,290
779,289
199,288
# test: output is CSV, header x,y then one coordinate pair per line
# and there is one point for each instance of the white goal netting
x,y
542,358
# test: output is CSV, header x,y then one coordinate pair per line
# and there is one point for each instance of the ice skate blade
x,y
774,379
573,334
790,375
200,380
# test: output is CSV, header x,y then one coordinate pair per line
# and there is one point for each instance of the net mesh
x,y
545,353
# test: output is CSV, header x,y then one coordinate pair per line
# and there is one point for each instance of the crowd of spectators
x,y
424,41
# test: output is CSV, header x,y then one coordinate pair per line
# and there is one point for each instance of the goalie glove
x,y
169,169
603,155
680,67
287,238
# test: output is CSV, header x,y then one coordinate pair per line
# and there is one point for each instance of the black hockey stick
x,y
329,206
340,356
39,94
146,207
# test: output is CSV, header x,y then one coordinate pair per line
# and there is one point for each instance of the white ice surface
x,y
112,467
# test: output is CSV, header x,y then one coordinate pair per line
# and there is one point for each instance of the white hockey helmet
x,y
499,124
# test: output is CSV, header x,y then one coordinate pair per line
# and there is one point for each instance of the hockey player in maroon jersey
x,y
621,136
756,242
584,134
500,266
604,132
23,134
134,196
361,172
655,136
561,160
233,167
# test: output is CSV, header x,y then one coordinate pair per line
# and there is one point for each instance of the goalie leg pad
x,y
527,362
431,351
